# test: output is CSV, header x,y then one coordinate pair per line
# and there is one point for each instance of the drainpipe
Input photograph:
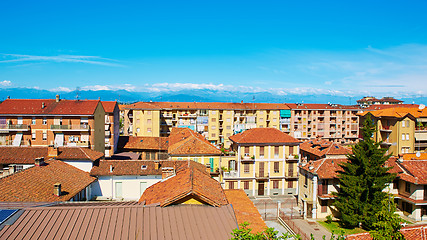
x,y
314,210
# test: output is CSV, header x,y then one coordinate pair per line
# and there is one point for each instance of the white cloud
x,y
5,83
127,87
95,60
61,89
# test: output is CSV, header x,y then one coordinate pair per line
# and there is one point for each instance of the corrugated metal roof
x,y
122,222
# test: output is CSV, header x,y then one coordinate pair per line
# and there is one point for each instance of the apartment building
x,y
215,121
112,125
368,101
333,122
400,130
410,186
265,163
43,122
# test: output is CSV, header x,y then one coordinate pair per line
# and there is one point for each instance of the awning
x,y
17,140
59,140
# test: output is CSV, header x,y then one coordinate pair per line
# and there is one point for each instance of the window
x,y
228,119
148,129
33,135
138,129
44,121
291,151
228,134
147,155
403,136
118,190
213,135
232,165
33,121
403,123
274,119
246,167
407,137
228,127
395,184
18,168
261,152
290,184
407,187
261,119
246,185
230,185
275,184
148,112
407,123
213,119
148,121
324,204
306,181
261,126
44,136
276,167
247,151
213,127
276,151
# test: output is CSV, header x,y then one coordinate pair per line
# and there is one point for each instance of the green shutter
x,y
211,162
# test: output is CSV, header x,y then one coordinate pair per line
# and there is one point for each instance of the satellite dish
x,y
422,106
418,154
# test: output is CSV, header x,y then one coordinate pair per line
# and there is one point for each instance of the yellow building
x,y
400,130
265,163
215,121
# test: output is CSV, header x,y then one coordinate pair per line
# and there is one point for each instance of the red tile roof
x,y
189,182
143,143
321,106
34,107
322,147
35,184
417,232
109,106
415,171
184,141
245,210
263,135
398,112
27,155
205,105
134,167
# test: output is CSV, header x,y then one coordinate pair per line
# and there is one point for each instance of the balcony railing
x,y
231,174
16,127
82,127
261,176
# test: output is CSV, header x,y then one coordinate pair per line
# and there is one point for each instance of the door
x,y
119,190
260,188
261,169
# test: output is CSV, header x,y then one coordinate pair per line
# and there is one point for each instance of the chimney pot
x,y
39,161
57,98
57,189
52,151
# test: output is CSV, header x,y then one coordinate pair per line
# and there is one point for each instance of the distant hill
x,y
189,96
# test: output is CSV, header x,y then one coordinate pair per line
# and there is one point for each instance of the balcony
x,y
82,127
186,115
76,144
17,127
386,129
130,115
248,158
285,120
261,176
291,175
167,115
231,174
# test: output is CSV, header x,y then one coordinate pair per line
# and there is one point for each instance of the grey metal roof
x,y
121,222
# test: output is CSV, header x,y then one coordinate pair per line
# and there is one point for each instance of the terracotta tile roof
x,y
36,183
27,155
386,106
143,143
327,168
205,105
263,135
413,156
397,112
109,106
77,153
245,210
90,221
134,167
184,141
34,107
415,171
321,106
187,182
416,232
322,147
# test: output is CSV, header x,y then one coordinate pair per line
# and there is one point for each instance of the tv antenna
x,y
77,92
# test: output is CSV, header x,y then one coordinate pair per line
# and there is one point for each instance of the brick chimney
x,y
167,172
57,98
57,189
52,151
208,167
39,161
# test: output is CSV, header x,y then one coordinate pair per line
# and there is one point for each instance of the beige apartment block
x,y
111,127
265,163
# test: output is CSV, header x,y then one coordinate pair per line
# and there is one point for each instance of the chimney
x,y
400,158
8,97
241,101
57,98
57,189
39,161
167,172
52,151
43,105
156,165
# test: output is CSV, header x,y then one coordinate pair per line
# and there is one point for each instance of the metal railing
x,y
231,174
82,127
15,126
288,221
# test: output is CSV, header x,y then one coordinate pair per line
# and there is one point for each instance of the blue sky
x,y
339,47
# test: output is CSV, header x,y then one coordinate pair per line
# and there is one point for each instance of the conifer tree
x,y
387,223
362,180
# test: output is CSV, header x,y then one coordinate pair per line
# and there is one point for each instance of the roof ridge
x,y
323,161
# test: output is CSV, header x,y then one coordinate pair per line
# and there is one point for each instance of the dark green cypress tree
x,y
362,180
